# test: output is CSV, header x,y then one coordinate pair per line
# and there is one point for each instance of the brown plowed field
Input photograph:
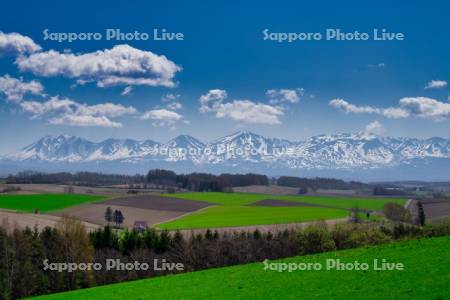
x,y
95,213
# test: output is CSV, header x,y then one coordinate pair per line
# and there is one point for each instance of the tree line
x,y
79,178
23,252
321,183
156,177
204,181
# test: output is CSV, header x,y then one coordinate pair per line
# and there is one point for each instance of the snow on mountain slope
x,y
341,151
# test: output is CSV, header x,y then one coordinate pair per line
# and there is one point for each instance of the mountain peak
x,y
324,152
184,140
241,134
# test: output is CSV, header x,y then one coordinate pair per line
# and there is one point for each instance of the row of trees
x,y
79,178
320,183
204,181
157,177
23,253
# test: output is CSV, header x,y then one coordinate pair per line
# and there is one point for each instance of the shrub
x,y
437,229
315,239
341,235
397,213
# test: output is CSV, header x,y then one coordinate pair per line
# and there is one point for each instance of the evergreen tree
x,y
118,218
421,213
109,215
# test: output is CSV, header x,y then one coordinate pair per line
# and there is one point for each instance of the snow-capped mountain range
x,y
241,151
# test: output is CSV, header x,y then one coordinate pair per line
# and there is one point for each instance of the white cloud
x,y
375,127
17,44
436,84
211,100
284,95
106,109
121,65
162,117
161,114
54,105
64,111
84,121
170,97
249,112
127,91
395,113
240,110
426,107
174,105
422,107
377,66
351,108
15,89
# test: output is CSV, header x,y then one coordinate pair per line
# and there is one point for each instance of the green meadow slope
x,y
230,215
426,275
234,209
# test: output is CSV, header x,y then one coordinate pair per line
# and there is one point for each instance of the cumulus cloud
x,y
84,121
170,97
212,100
127,91
120,65
17,44
375,127
426,107
161,114
54,105
105,109
436,84
64,111
421,107
174,105
15,89
162,117
284,95
351,108
395,113
239,110
249,112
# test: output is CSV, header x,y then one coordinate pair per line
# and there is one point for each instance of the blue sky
x,y
381,83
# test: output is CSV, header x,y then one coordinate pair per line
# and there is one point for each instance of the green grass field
x,y
233,215
45,202
245,199
424,276
232,209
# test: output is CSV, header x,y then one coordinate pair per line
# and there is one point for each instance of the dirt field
x,y
21,220
435,209
95,213
156,202
57,189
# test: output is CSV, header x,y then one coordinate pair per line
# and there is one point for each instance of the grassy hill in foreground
x,y
426,275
